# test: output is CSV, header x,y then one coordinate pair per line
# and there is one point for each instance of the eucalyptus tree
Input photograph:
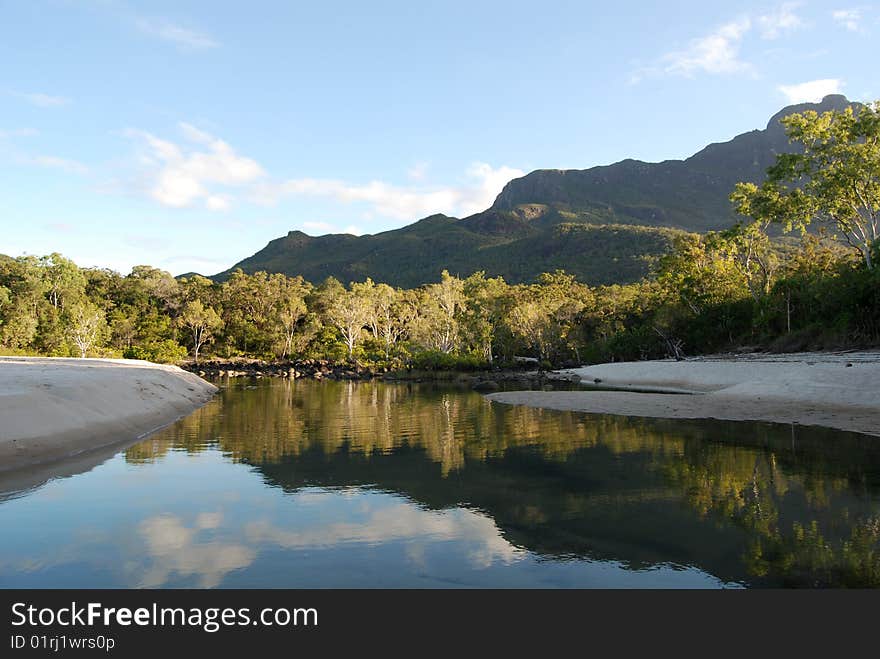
x,y
833,177
349,312
391,313
290,309
437,325
545,314
488,303
752,253
64,280
85,324
201,322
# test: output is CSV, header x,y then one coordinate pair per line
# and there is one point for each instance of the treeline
x,y
729,289
50,306
708,294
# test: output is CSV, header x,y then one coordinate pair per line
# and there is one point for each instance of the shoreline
x,y
834,390
482,379
55,409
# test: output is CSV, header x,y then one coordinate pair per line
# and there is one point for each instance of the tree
x,y
291,309
833,178
163,290
531,321
440,305
391,312
202,322
545,314
85,325
64,280
752,252
487,305
23,278
5,303
349,312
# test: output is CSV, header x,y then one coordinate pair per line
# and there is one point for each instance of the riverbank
x,y
322,369
54,408
835,390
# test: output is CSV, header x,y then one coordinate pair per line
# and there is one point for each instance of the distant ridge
x,y
605,224
690,194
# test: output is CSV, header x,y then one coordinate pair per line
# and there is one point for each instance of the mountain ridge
x,y
632,209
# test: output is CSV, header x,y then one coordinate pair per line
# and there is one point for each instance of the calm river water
x,y
330,484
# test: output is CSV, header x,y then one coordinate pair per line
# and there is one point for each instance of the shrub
x,y
161,352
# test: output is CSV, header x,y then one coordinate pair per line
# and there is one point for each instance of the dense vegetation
x,y
605,225
718,290
700,300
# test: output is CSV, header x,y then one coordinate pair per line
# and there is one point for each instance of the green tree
x,y
64,280
85,325
488,302
390,314
349,312
544,316
437,324
748,244
834,177
23,278
291,309
201,322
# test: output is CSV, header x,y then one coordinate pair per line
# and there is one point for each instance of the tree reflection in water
x,y
761,504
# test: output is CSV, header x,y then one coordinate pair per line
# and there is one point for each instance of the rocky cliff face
x,y
689,194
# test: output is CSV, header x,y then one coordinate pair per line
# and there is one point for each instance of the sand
x,y
53,409
835,390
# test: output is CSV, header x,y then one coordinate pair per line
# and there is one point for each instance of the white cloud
x,y
218,203
180,177
851,19
203,170
779,22
180,36
41,100
177,549
812,91
717,52
194,134
477,533
404,203
491,181
54,162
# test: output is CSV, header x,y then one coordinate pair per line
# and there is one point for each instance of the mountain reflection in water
x,y
309,484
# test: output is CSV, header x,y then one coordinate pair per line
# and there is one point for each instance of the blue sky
x,y
186,135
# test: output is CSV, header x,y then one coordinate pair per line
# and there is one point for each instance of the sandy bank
x,y
57,408
834,390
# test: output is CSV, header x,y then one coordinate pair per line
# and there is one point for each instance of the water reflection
x,y
366,484
174,548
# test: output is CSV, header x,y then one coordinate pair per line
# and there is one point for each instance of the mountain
x,y
605,224
690,194
498,243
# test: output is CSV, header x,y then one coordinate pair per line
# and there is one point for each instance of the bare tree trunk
x,y
788,311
